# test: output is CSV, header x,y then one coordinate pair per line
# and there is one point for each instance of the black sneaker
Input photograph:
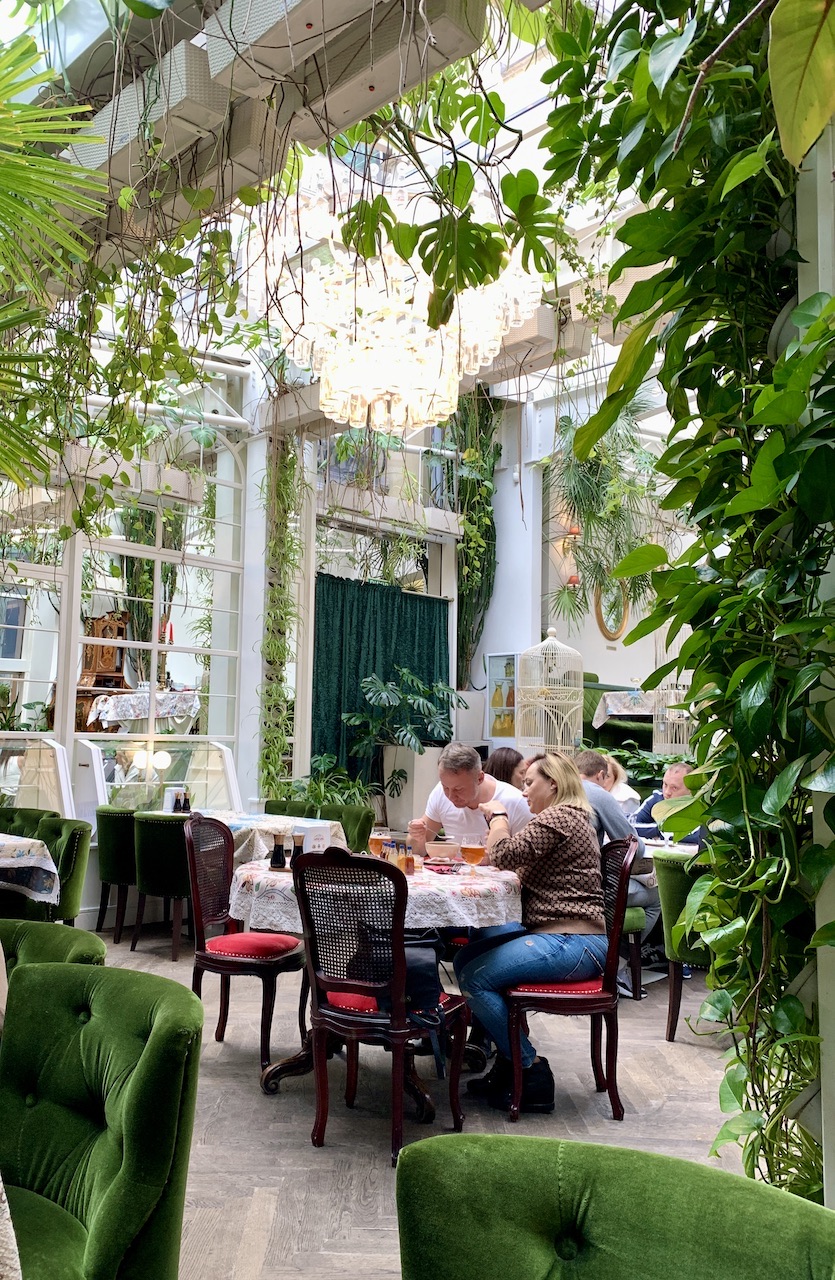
x,y
499,1077
537,1090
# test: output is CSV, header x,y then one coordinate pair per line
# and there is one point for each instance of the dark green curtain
x,y
363,628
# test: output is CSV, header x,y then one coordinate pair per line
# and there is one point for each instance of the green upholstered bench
x,y
489,1207
98,1078
68,840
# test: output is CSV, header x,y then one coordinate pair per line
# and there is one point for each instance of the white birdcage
x,y
549,698
672,723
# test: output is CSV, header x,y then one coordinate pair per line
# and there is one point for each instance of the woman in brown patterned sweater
x,y
557,859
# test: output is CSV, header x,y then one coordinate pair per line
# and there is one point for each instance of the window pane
x,y
29,619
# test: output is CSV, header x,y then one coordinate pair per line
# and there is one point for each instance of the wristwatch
x,y
498,813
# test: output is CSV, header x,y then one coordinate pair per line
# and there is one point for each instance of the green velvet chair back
x,y
160,846
24,822
98,1078
292,808
68,840
38,942
357,821
490,1207
674,884
114,836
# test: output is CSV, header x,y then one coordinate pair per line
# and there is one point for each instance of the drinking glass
x,y
472,854
376,841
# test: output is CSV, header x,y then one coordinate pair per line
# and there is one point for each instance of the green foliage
x,y
405,712
750,455
801,56
472,432
328,783
642,766
283,554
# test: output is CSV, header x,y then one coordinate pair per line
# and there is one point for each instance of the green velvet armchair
x,y
489,1207
68,840
674,883
98,1077
37,942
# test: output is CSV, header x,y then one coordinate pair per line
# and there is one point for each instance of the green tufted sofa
x,y
98,1077
36,942
68,840
489,1207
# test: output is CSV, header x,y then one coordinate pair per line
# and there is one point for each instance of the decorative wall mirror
x,y
611,608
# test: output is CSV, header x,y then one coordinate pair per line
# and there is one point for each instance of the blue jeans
x,y
537,957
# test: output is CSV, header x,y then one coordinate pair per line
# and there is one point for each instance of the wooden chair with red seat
x,y
597,996
353,911
210,849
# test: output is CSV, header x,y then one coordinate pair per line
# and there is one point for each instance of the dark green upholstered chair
x,y
357,821
117,862
634,923
530,1208
98,1078
161,868
674,884
38,942
68,840
292,808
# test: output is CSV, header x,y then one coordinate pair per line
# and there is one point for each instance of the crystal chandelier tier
x,y
359,327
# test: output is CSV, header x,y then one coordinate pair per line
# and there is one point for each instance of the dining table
x,y
176,710
624,702
254,834
27,867
450,898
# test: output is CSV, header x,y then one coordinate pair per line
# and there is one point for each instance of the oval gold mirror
x,y
611,608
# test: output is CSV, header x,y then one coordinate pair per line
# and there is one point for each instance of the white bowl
x,y
443,849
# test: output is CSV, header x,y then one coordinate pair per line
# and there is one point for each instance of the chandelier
x,y
359,327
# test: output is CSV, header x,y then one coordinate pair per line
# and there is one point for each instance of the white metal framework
x,y
549,704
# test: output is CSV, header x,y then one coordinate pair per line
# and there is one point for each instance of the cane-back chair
x,y
210,851
353,911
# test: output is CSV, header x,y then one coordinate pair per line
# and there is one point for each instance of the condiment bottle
x,y
178,802
298,846
186,802
278,860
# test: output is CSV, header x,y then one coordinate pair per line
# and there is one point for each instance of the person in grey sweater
x,y
612,824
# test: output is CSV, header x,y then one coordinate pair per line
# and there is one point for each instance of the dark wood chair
x,y
353,911
209,849
597,997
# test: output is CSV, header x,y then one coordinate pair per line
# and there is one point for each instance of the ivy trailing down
x,y
283,555
472,432
752,455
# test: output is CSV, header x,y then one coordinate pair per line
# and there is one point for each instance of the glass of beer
x,y
376,841
472,854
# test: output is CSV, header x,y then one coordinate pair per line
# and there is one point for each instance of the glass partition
x,y
34,774
135,775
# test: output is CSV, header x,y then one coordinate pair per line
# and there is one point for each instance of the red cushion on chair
x,y
590,987
450,1000
352,1000
252,946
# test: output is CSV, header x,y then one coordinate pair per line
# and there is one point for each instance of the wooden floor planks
x,y
264,1204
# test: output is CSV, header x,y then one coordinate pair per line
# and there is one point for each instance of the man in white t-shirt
x,y
453,803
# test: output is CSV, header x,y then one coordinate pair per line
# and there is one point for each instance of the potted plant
x,y
402,718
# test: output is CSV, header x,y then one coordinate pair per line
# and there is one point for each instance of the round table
x,y
265,899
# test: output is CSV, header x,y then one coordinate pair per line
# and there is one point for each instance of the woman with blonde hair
x,y
616,783
557,859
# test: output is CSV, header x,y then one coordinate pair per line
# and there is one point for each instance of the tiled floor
x,y
263,1204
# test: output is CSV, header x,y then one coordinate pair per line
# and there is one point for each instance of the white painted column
x,y
816,244
253,588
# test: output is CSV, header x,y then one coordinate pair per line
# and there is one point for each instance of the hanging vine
x,y
472,432
283,556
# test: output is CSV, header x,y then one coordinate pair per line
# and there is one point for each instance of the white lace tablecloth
x,y
26,867
254,833
176,710
624,702
265,899
9,1257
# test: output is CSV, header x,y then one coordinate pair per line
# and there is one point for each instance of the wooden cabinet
x,y
102,668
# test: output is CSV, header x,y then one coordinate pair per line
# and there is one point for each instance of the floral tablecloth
x,y
9,1257
265,899
176,710
624,702
254,833
26,867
